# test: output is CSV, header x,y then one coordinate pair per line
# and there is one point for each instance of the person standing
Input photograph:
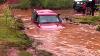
x,y
84,7
92,7
88,7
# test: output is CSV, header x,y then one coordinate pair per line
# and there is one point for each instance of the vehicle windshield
x,y
48,19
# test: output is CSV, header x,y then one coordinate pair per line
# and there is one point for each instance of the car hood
x,y
51,26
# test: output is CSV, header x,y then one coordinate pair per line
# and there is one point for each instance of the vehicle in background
x,y
77,4
98,4
47,19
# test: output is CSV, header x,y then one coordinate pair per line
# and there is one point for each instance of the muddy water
x,y
73,40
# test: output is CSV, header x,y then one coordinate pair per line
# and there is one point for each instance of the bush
x,y
35,3
19,24
52,4
2,1
11,36
56,3
24,4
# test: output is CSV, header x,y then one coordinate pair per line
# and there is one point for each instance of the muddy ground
x,y
73,40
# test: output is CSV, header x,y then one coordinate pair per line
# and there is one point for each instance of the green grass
x,y
10,35
90,20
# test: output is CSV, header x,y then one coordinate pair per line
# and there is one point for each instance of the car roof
x,y
45,12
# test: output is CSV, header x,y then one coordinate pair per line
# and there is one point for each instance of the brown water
x,y
73,40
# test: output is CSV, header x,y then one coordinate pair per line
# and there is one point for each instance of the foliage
x,y
56,3
2,1
9,34
52,4
24,4
35,2
19,24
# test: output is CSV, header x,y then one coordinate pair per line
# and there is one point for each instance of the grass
x,y
10,35
94,20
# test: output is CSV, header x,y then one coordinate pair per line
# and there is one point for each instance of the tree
x,y
35,3
2,1
24,4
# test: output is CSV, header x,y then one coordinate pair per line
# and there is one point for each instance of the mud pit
x,y
73,40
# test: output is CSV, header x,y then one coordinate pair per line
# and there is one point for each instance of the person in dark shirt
x,y
84,7
88,4
92,7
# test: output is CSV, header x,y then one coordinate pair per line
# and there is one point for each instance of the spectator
x,y
74,5
92,7
84,7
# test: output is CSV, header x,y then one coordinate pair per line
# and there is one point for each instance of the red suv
x,y
47,19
